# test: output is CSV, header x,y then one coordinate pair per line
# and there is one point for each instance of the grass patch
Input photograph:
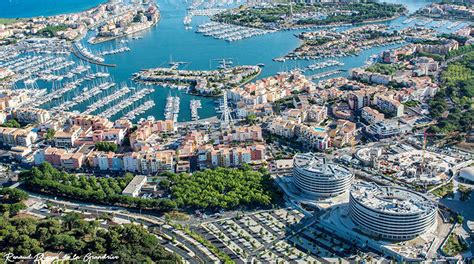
x,y
176,216
8,21
444,191
454,245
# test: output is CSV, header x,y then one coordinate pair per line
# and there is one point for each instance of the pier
x,y
126,103
324,74
107,100
139,110
172,108
229,32
78,53
195,105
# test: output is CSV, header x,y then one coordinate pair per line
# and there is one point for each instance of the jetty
x,y
79,53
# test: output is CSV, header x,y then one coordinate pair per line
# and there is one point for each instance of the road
x,y
192,254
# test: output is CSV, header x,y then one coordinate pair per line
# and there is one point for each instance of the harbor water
x,y
170,41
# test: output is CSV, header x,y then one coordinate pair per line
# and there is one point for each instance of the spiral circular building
x,y
314,176
391,213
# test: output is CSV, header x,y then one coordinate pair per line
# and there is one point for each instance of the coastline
x,y
192,90
95,41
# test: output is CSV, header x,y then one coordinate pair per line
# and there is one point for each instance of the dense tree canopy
x,y
215,189
387,69
11,123
51,31
70,234
455,97
267,17
11,201
106,146
47,179
223,188
50,134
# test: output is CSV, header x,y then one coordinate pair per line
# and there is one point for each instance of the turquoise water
x,y
169,40
31,8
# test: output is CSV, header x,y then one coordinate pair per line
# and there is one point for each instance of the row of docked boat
x,y
58,92
26,66
88,54
322,65
324,74
115,109
428,22
454,24
88,93
423,22
229,32
172,108
408,20
201,12
114,97
195,105
114,51
139,110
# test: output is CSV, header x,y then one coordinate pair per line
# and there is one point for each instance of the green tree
x,y
13,123
50,134
251,119
106,146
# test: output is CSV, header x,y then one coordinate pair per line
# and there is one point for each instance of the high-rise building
x,y
390,213
315,176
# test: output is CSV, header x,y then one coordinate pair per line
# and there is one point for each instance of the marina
x,y
110,99
229,32
195,105
132,115
172,108
324,74
114,51
324,64
39,63
129,102
88,93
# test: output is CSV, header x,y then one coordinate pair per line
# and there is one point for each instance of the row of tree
x,y
70,234
219,188
223,188
106,146
452,105
47,179
11,201
277,14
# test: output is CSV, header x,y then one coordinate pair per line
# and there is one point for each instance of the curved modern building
x,y
391,213
467,174
314,176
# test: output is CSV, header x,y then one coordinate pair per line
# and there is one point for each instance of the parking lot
x,y
280,235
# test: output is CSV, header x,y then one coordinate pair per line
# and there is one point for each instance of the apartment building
x,y
91,122
224,156
13,137
31,115
138,139
371,115
67,138
388,104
